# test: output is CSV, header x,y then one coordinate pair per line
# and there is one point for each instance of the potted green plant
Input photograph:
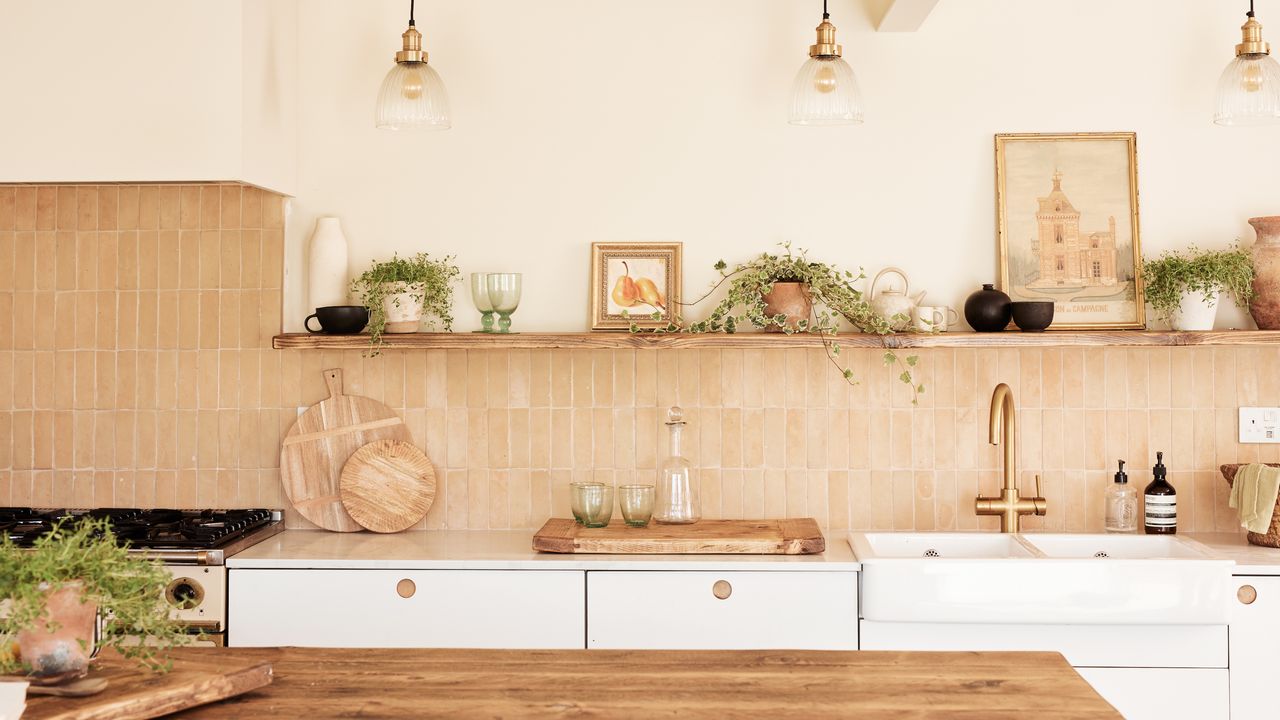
x,y
788,293
1183,287
399,291
57,590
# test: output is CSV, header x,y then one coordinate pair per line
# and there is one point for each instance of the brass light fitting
x,y
1251,42
412,52
826,47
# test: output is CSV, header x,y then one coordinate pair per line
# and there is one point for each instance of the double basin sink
x,y
1038,578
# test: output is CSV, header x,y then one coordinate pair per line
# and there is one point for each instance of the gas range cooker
x,y
180,537
193,546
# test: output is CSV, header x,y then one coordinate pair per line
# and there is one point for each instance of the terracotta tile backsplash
x,y
136,369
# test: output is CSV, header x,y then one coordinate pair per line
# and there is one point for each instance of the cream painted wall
x,y
149,90
577,121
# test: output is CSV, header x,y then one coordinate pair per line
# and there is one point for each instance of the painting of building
x,y
1068,257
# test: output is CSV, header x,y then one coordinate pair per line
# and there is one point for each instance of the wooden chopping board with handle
x,y
788,536
133,693
387,486
319,444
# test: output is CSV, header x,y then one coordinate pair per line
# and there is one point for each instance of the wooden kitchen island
x,y
399,683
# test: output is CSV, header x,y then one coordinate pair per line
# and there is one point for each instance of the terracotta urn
x,y
1265,306
64,653
790,299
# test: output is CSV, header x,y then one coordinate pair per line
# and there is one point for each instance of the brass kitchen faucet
x,y
1010,505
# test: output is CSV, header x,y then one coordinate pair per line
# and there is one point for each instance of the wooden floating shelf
x,y
758,340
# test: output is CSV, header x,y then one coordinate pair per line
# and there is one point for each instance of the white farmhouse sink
x,y
1040,579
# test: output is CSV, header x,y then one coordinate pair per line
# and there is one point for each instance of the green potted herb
x,y
399,291
57,590
788,293
1184,287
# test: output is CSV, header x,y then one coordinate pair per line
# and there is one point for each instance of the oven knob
x,y
184,593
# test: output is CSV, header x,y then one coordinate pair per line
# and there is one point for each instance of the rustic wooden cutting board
x,y
133,693
790,536
319,444
387,486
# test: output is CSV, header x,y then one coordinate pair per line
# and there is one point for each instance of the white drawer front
x,y
444,608
1160,694
760,610
1172,646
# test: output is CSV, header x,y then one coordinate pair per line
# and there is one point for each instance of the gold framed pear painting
x,y
634,282
1067,221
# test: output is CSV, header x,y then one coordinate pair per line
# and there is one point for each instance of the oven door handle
x,y
180,557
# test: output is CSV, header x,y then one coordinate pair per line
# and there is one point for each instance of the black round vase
x,y
988,309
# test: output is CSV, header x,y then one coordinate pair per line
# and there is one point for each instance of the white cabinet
x,y
1255,646
722,610
1163,693
410,608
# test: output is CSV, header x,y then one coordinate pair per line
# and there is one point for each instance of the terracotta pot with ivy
x,y
58,592
788,293
400,292
1184,287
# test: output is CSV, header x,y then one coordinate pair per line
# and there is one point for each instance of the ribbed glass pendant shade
x,y
1249,91
825,92
412,97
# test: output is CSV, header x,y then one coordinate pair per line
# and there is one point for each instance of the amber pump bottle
x,y
1160,502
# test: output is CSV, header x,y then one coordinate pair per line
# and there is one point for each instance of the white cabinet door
x,y
728,610
410,608
1163,694
1255,646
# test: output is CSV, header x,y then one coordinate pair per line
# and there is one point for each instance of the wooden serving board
x,y
133,693
319,444
387,486
790,536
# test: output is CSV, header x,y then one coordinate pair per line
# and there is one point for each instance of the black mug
x,y
339,319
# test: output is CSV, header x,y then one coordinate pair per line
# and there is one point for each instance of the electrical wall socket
x,y
1259,425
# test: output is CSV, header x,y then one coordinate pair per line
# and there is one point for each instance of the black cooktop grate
x,y
151,529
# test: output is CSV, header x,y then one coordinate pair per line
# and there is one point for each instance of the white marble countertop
x,y
1250,559
497,550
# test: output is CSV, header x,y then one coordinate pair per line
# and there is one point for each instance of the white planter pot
x,y
404,313
1194,313
327,272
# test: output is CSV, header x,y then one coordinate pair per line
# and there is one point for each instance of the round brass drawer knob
x,y
722,589
1247,594
406,588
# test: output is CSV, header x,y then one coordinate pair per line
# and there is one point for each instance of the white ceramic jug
x,y
328,266
894,306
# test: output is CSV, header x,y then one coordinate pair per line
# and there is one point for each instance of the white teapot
x,y
893,305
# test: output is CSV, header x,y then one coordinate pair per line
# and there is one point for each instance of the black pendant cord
x,y
1250,13
411,13
827,16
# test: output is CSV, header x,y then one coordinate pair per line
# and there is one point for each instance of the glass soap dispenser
x,y
677,496
1122,504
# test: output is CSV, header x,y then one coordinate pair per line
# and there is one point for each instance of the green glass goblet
x,y
504,296
480,296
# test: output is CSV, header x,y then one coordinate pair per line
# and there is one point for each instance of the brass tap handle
x,y
1041,505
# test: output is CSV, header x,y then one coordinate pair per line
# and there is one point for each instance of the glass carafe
x,y
677,493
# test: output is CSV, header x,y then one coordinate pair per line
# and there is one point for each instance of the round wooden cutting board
x,y
388,485
318,445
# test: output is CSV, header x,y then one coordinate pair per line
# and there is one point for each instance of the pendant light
x,y
1249,89
825,92
412,95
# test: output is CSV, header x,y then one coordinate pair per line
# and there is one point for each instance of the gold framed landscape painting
x,y
636,278
1067,221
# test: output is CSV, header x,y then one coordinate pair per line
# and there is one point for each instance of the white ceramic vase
x,y
328,264
1194,313
404,312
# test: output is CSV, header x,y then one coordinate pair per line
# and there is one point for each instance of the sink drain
x,y
1101,554
932,553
